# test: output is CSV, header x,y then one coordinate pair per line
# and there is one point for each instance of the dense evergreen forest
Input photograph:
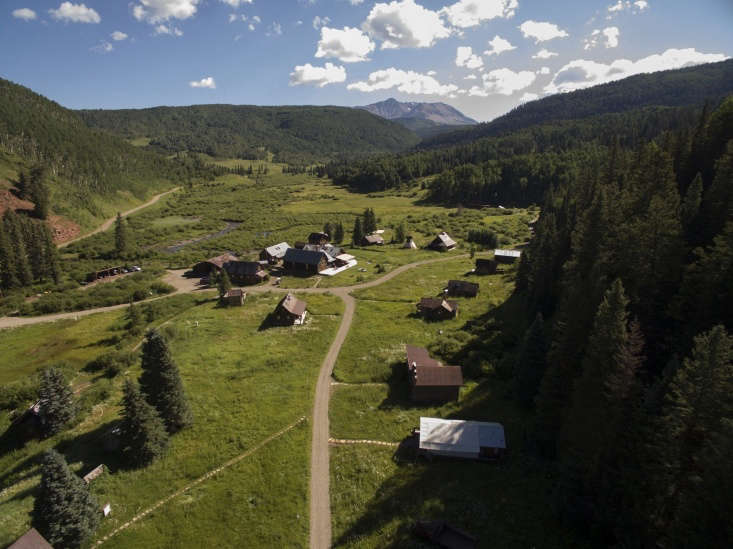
x,y
296,135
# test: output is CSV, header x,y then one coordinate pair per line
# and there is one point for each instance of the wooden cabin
x,y
245,272
234,297
442,243
462,288
507,256
32,539
213,265
372,240
485,266
274,254
436,308
291,311
319,239
305,261
430,381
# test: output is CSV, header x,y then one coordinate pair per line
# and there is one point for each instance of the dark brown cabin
x,y
234,297
442,243
318,239
485,266
291,311
213,265
430,381
436,308
245,272
305,261
372,240
462,288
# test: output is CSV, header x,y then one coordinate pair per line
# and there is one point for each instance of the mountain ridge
x,y
439,113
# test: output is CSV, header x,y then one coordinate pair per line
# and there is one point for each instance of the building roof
x,y
31,540
463,284
220,260
507,253
318,236
437,376
236,292
419,356
455,435
307,257
345,257
243,268
438,303
374,239
444,239
277,250
292,304
483,261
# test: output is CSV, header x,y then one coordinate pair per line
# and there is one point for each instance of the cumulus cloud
x,y
609,34
498,46
156,11
544,54
527,96
275,29
582,73
624,5
470,13
470,77
541,31
466,58
404,24
236,3
207,82
319,21
118,36
75,13
170,30
317,76
544,70
503,81
410,82
103,47
348,45
24,13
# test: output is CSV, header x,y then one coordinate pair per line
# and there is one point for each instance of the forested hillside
x,y
674,88
296,135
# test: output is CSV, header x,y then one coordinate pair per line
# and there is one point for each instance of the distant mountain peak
x,y
439,113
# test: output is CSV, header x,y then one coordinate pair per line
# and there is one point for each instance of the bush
x,y
112,362
20,392
485,237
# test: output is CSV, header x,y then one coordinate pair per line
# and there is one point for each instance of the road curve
x,y
107,224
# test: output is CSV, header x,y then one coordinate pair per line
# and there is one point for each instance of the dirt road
x,y
107,224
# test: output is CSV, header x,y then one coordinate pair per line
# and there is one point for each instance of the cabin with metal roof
x,y
291,311
442,243
274,254
507,256
437,308
430,381
306,262
372,240
461,439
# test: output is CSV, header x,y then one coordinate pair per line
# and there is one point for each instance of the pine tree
x,y
358,234
38,191
532,362
370,221
14,232
400,232
338,236
57,401
691,203
22,185
50,255
144,436
224,284
65,513
120,236
8,275
135,321
328,229
161,383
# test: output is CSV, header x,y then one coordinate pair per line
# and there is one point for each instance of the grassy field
x,y
243,385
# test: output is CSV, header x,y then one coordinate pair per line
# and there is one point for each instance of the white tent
x,y
409,244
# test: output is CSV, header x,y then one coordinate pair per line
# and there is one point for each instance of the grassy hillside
x,y
674,88
293,134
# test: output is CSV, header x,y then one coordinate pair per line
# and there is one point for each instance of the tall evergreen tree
x,y
120,236
691,203
224,283
38,191
532,362
57,401
8,275
65,513
144,436
370,221
338,236
400,232
161,383
328,229
357,234
14,231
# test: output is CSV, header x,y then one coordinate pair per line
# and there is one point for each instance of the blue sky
x,y
482,56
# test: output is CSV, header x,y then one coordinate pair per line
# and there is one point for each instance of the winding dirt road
x,y
107,224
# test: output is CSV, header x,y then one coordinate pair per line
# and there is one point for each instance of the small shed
x,y
235,297
94,473
462,288
409,244
214,264
430,381
436,308
245,272
319,238
291,311
485,266
31,540
372,240
274,254
305,261
461,439
442,243
507,256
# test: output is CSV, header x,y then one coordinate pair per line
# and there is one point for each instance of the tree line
x,y
27,252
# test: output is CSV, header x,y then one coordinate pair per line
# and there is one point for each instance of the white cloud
x,y
155,11
641,4
317,76
404,24
319,21
24,13
506,81
466,58
103,47
355,2
170,30
470,77
348,45
298,23
118,36
544,54
275,29
75,13
469,13
610,34
582,73
527,96
257,19
499,46
618,6
207,82
236,3
409,82
544,70
541,31
233,17
625,5
251,26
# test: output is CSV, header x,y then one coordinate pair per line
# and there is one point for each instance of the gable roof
x,y
243,268
444,239
292,304
235,292
455,435
31,540
419,356
220,260
441,376
463,285
374,239
507,253
277,250
438,303
307,257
